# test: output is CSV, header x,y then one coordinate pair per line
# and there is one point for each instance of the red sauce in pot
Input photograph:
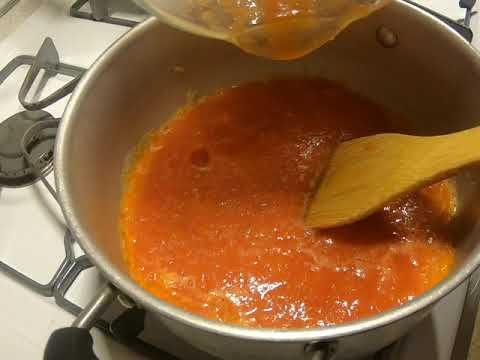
x,y
212,214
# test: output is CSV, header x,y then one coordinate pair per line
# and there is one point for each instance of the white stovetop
x,y
31,225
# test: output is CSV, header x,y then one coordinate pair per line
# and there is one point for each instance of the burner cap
x,y
15,170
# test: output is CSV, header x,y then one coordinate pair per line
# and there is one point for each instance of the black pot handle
x,y
70,343
75,342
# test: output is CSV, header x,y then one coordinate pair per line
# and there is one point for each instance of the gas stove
x,y
45,279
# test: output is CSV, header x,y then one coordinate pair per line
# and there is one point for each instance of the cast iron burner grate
x,y
46,60
99,11
15,171
27,140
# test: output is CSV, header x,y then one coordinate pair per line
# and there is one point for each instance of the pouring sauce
x,y
285,29
212,213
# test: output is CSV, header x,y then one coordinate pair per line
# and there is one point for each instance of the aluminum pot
x,y
400,57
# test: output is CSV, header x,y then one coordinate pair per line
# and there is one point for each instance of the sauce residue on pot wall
x,y
212,214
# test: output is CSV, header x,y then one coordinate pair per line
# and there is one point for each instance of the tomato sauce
x,y
212,213
290,29
281,29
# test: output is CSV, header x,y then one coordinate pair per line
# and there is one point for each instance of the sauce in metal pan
x,y
212,214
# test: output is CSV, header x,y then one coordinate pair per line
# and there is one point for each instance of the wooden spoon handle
x,y
445,154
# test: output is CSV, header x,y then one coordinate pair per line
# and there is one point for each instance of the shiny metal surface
x,y
467,321
95,308
134,87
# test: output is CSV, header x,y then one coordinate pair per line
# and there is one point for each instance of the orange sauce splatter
x,y
212,214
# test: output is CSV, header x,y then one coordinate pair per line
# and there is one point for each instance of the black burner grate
x,y
100,11
15,171
46,59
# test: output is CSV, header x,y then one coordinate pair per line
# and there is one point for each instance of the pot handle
x,y
70,343
75,342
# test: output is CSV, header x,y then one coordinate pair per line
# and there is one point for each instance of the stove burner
x,y
15,169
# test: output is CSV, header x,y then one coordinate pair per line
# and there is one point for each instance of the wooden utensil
x,y
366,173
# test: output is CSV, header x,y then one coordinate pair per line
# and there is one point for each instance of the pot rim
x,y
125,284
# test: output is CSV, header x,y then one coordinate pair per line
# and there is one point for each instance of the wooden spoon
x,y
366,173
